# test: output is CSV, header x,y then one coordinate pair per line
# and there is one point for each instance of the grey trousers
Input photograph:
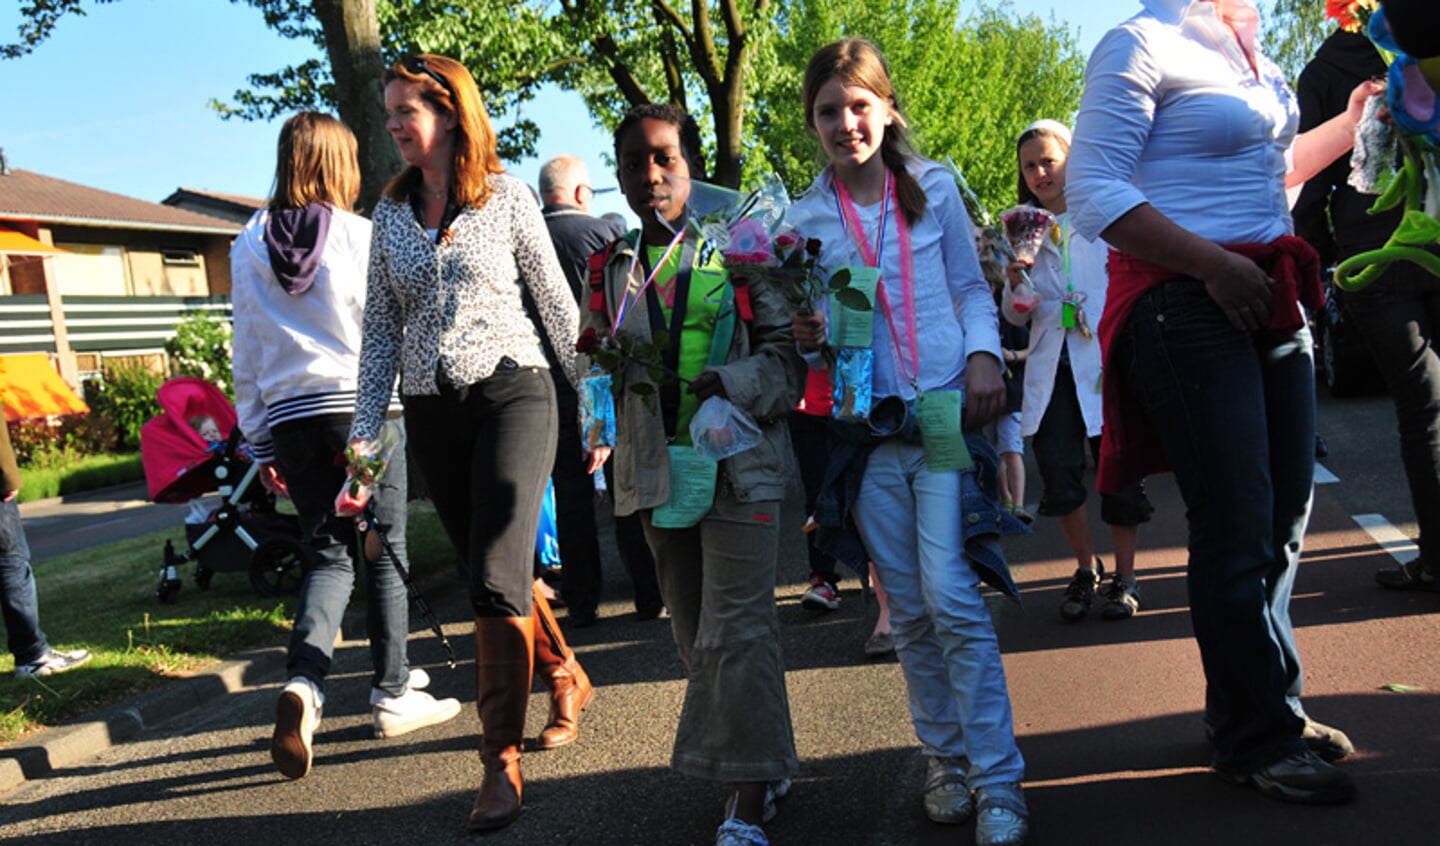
x,y
718,580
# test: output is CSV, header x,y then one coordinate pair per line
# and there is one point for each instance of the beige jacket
x,y
764,376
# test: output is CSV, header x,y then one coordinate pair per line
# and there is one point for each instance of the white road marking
x,y
1390,539
1323,476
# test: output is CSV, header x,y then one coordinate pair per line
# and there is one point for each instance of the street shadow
x,y
1121,782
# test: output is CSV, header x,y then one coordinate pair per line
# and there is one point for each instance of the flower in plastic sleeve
x,y
749,244
716,234
588,342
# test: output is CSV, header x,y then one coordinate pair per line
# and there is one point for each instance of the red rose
x,y
812,246
589,342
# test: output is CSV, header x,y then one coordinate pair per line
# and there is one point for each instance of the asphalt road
x,y
1107,715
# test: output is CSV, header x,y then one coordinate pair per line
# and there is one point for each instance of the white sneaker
x,y
397,715
53,662
297,715
419,680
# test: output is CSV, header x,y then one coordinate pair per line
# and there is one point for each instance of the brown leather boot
x,y
555,664
504,657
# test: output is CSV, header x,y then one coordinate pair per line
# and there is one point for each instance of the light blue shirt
x,y
1173,115
955,313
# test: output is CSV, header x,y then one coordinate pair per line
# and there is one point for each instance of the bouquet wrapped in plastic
x,y
1026,228
597,410
365,464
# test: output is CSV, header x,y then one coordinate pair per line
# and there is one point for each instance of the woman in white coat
x,y
1061,410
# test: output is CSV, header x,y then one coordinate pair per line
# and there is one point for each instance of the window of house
x,y
180,258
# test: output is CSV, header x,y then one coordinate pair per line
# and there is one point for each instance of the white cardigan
x,y
296,356
1047,336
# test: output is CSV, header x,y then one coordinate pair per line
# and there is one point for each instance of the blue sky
x,y
117,98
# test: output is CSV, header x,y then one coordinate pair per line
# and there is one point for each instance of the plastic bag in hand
x,y
719,430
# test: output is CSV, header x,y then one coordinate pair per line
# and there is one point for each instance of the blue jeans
x,y
17,590
910,519
305,453
1236,413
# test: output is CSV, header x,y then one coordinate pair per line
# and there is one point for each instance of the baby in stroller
x,y
193,448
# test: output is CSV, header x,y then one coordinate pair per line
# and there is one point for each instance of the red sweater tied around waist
x,y
1130,446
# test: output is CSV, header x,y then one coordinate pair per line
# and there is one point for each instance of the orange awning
x,y
19,244
30,387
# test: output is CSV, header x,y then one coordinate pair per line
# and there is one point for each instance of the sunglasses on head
x,y
416,64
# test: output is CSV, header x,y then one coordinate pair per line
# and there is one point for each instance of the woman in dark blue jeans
x,y
1180,161
298,270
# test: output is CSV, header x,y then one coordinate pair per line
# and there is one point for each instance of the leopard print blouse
x,y
455,308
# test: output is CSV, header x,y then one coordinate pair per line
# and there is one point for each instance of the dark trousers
x,y
1236,413
1399,318
812,454
485,452
575,523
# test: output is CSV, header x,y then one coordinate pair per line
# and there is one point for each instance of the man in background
x,y
33,654
565,195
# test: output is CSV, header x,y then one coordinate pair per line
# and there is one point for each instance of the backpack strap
x,y
597,277
741,286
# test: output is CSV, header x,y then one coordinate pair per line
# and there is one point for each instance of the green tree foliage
x,y
970,76
1293,32
968,86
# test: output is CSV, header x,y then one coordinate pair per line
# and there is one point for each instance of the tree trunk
x,y
352,40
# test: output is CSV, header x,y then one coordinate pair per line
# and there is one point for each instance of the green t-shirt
x,y
707,285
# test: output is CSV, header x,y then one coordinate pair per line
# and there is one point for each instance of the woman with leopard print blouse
x,y
456,242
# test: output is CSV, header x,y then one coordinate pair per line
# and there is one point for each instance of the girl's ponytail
x,y
908,192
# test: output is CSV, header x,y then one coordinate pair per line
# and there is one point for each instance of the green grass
x,y
103,599
79,474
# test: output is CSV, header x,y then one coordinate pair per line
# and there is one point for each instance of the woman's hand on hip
x,y
1242,290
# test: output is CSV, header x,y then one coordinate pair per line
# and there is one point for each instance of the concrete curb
x,y
72,743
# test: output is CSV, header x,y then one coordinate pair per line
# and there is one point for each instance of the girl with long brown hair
x,y
880,209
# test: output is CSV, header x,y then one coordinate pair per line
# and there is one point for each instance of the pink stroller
x,y
243,532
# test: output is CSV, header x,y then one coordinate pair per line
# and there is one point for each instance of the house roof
x,y
26,195
239,201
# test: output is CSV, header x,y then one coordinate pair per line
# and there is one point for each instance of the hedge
x,y
84,474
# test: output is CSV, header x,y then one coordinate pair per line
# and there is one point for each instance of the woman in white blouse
x,y
1061,410
1183,150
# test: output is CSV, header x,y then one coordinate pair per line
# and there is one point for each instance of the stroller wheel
x,y
203,577
167,590
277,567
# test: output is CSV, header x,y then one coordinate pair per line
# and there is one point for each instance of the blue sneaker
x,y
733,832
1003,818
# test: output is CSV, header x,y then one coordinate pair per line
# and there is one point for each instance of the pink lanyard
x,y
856,230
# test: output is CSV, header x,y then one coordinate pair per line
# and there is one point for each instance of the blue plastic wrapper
x,y
853,376
597,411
